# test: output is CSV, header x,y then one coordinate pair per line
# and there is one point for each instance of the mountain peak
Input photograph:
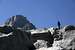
x,y
19,21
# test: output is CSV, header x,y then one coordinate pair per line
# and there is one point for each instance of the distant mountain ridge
x,y
20,21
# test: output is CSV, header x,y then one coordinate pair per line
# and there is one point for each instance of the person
x,y
59,24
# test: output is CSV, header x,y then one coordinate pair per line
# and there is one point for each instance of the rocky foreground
x,y
16,39
65,40
23,35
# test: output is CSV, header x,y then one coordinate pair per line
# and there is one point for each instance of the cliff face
x,y
19,21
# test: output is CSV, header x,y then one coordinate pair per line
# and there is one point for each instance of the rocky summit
x,y
19,21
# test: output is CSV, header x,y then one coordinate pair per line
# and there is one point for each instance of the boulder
x,y
68,41
69,27
19,40
40,44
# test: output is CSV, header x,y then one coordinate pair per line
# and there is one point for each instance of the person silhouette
x,y
59,24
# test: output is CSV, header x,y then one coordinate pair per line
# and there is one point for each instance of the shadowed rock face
x,y
6,29
19,21
19,40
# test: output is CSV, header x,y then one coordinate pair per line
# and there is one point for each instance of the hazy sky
x,y
42,13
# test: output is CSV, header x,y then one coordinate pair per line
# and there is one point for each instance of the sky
x,y
42,13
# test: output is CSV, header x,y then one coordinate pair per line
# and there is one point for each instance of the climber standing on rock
x,y
58,24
